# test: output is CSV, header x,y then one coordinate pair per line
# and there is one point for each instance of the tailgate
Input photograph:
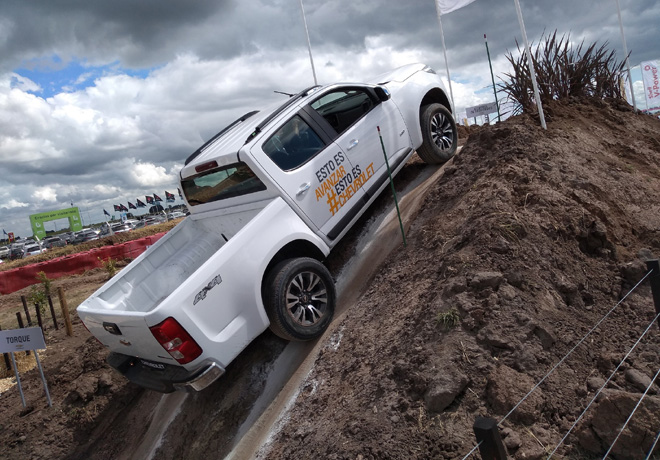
x,y
126,333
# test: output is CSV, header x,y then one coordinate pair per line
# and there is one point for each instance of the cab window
x,y
293,145
342,108
219,184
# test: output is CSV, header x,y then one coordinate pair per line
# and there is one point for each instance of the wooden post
x,y
6,355
489,439
20,326
65,312
38,310
654,279
52,312
27,312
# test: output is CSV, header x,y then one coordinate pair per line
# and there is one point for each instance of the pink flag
x,y
447,6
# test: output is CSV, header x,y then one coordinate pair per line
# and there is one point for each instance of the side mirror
x,y
382,93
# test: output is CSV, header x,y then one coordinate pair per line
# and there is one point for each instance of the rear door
x,y
312,170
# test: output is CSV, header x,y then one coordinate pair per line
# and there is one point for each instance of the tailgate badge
x,y
112,328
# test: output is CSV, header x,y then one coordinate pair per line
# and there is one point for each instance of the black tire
x,y
439,134
310,291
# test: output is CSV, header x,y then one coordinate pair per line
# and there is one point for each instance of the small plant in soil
x,y
448,319
39,295
563,70
110,266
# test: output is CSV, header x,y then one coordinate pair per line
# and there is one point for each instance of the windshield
x,y
219,184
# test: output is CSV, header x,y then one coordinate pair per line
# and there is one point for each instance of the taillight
x,y
176,341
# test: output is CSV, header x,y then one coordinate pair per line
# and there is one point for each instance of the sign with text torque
x,y
30,338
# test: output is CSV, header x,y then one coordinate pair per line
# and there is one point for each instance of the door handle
x,y
352,144
303,188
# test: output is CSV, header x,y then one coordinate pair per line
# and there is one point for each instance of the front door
x,y
355,114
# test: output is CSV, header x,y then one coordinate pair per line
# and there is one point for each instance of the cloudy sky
x,y
100,102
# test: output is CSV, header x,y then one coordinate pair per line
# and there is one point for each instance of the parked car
x,y
16,251
86,235
54,242
121,228
33,249
154,220
175,215
68,237
4,252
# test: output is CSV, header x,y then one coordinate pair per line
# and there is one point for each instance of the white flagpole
x,y
309,44
530,62
625,52
444,50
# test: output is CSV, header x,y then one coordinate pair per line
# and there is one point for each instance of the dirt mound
x,y
84,390
528,240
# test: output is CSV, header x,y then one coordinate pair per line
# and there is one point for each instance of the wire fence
x,y
488,447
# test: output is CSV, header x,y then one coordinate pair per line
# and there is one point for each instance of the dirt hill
x,y
529,238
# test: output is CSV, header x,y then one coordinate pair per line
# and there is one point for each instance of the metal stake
x,y
43,378
396,202
18,379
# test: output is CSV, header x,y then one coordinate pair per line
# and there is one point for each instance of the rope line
x,y
473,450
605,384
657,436
573,349
631,414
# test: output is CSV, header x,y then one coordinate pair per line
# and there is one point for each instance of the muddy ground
x,y
528,239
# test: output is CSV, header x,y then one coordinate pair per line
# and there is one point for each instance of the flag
x,y
180,194
106,213
131,205
140,204
117,208
123,208
3,231
157,198
447,6
150,199
169,197
651,78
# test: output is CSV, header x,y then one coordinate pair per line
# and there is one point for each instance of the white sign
x,y
651,77
483,109
30,338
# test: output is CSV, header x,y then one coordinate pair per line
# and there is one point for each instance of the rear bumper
x,y
164,378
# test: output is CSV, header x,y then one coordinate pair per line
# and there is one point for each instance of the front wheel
x,y
299,298
439,134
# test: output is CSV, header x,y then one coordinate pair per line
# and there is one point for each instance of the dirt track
x,y
526,241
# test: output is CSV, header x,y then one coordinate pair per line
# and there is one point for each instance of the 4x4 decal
x,y
201,295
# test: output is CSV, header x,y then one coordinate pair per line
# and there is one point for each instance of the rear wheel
x,y
439,134
299,298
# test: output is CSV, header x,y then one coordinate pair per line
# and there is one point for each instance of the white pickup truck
x,y
270,196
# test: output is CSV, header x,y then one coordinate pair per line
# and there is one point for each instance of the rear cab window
x,y
222,183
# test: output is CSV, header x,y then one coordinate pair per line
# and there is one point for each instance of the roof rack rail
x,y
277,111
224,130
